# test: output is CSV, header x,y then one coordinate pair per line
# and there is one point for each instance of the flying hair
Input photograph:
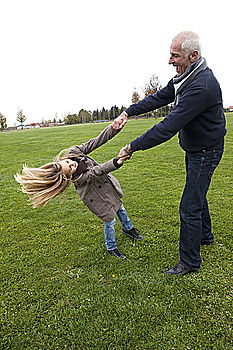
x,y
43,183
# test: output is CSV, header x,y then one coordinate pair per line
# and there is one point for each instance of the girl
x,y
99,190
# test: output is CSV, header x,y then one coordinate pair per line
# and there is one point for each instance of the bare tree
x,y
135,97
153,86
20,116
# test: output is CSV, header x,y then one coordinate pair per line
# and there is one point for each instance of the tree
x,y
3,124
84,116
153,86
155,83
122,109
114,112
20,117
135,97
71,119
96,115
104,113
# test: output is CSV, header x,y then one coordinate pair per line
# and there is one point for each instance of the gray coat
x,y
99,190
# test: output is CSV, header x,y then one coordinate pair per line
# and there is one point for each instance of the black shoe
x,y
116,253
133,233
207,242
178,269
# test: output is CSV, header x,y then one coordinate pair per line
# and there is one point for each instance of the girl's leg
x,y
109,234
127,227
124,219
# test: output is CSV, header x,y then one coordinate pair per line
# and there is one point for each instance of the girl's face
x,y
68,166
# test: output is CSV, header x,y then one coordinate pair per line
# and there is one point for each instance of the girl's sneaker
x,y
116,253
133,233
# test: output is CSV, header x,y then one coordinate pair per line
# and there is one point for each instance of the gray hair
x,y
189,41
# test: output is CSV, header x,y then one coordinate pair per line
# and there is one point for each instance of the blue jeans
x,y
109,230
194,212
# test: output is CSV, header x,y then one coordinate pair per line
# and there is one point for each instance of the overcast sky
x,y
58,56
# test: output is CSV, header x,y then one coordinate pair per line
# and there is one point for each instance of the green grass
x,y
61,290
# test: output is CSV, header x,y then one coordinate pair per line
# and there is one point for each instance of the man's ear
x,y
193,56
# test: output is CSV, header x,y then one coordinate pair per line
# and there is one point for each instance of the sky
x,y
59,56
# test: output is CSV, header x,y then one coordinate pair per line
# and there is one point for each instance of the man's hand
x,y
120,121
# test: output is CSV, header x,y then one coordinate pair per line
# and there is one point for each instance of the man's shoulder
x,y
205,74
204,79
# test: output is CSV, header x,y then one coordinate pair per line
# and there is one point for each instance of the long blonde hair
x,y
43,183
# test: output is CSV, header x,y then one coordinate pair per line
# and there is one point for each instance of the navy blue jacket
x,y
198,116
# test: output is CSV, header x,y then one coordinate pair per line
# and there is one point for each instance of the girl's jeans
x,y
194,213
109,231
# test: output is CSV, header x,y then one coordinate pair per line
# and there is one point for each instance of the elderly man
x,y
198,117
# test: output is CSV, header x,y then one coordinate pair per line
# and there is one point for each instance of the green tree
x,y
20,116
71,119
104,114
3,124
96,115
84,116
114,112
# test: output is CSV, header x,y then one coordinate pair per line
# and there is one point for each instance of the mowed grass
x,y
59,287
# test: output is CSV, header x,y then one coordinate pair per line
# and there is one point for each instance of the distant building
x,y
28,126
38,125
21,126
100,121
230,109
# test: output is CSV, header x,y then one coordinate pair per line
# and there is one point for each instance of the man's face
x,y
179,58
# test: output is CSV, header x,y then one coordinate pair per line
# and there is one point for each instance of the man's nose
x,y
170,60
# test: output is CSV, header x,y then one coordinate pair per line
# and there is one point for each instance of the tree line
x,y
84,116
109,114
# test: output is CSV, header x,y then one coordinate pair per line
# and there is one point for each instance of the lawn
x,y
59,287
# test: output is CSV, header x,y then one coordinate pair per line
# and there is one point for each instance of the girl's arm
x,y
107,134
99,170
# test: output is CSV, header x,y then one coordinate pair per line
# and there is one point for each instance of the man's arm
x,y
161,98
154,101
193,102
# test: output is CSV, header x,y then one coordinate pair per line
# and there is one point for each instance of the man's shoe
x,y
207,242
116,253
133,233
178,269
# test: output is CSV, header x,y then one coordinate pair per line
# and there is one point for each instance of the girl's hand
x,y
122,159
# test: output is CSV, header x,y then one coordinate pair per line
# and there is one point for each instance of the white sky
x,y
58,56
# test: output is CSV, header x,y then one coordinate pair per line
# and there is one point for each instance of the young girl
x,y
99,190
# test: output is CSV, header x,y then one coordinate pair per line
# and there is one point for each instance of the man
x,y
198,117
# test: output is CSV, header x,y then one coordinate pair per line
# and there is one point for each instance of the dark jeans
x,y
195,222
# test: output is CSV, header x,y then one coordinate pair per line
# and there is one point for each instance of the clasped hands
x,y
120,121
117,124
124,154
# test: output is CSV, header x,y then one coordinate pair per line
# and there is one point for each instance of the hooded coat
x,y
99,190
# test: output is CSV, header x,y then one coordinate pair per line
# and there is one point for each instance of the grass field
x,y
59,287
